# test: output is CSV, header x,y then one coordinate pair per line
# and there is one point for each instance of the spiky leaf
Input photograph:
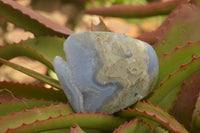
x,y
28,116
181,26
136,126
48,46
156,114
166,94
185,103
14,50
180,55
30,20
103,122
32,73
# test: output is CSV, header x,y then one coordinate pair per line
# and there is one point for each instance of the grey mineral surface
x,y
106,71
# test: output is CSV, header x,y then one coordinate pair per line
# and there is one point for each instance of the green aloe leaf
x,y
159,130
30,20
33,74
87,120
166,94
181,26
31,91
136,126
14,50
36,114
48,46
16,105
180,55
156,114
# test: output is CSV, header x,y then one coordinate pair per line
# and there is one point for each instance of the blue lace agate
x,y
106,71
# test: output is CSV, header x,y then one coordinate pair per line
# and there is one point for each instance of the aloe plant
x,y
173,106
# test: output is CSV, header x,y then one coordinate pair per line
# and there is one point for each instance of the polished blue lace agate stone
x,y
106,71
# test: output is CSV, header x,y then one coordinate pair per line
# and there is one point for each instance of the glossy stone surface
x,y
106,71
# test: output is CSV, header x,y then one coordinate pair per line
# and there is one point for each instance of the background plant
x,y
173,106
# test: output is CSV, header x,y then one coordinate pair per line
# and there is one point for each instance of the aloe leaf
x,y
31,91
76,129
33,74
128,11
136,126
159,130
17,105
156,114
67,130
180,55
181,26
184,105
14,50
100,27
48,46
87,120
27,18
196,118
166,94
36,114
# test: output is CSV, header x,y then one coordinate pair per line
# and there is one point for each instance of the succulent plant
x,y
172,106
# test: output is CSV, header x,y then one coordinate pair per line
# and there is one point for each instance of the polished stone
x,y
106,71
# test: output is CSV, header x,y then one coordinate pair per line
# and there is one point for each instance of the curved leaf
x,y
14,50
184,105
196,118
33,74
156,114
166,94
17,105
136,126
30,91
85,120
48,46
181,26
28,116
180,55
128,11
30,20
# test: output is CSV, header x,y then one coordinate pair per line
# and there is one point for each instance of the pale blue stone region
x,y
106,71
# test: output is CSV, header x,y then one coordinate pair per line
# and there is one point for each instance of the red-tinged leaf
x,y
184,105
32,73
180,55
159,130
14,50
129,11
100,27
156,114
31,20
150,37
14,104
168,90
76,129
181,26
30,91
33,115
196,118
87,120
136,126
